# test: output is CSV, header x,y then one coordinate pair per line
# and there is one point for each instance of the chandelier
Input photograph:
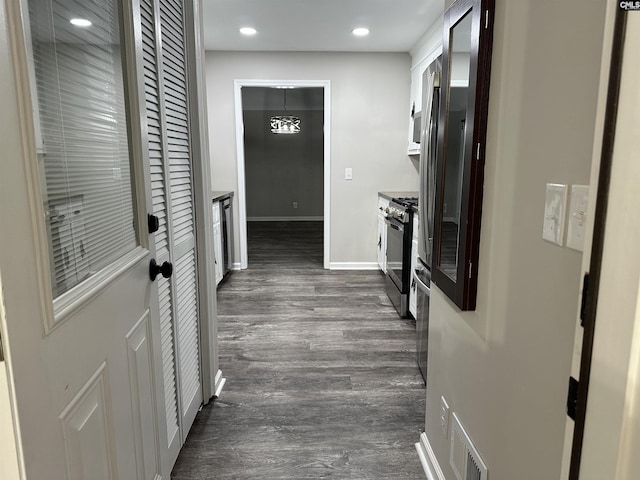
x,y
285,124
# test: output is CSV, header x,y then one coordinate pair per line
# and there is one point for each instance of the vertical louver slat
x,y
158,194
168,359
188,328
175,83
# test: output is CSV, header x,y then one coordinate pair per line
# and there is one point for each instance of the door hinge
x,y
486,19
478,152
470,269
572,398
583,302
1,349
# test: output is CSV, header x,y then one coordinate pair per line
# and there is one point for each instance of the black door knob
x,y
166,269
153,223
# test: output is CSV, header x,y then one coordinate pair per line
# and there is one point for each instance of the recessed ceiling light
x,y
360,32
248,31
80,22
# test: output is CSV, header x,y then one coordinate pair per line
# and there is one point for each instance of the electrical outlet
x,y
295,204
444,417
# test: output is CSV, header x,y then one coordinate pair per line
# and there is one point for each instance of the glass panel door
x,y
81,134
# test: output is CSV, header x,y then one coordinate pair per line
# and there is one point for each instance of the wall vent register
x,y
464,457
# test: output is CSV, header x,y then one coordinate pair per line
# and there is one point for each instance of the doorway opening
x,y
283,177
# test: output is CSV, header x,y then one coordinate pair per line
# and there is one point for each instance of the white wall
x,y
504,368
370,121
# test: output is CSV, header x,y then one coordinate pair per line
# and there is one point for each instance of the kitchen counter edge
x,y
216,196
391,195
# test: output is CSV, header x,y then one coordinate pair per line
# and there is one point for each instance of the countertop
x,y
390,195
219,195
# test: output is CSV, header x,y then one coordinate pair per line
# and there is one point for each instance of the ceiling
x,y
318,25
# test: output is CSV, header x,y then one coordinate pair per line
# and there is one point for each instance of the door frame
x,y
210,375
242,196
591,296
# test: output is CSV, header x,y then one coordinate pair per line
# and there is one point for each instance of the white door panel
x,y
96,394
141,374
89,443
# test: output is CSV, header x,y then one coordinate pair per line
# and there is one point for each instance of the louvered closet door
x,y
172,192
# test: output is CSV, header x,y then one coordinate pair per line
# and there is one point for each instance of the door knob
x,y
166,269
153,222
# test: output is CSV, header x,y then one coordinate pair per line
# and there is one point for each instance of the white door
x,y
168,136
81,329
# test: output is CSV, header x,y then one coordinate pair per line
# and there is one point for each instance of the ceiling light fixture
x,y
285,124
248,31
80,22
360,32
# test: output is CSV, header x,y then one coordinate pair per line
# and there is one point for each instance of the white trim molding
x,y
219,384
354,266
428,459
242,197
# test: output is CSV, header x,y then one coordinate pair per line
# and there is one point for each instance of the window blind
x,y
84,152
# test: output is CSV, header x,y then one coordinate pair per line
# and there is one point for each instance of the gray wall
x,y
504,368
282,169
370,121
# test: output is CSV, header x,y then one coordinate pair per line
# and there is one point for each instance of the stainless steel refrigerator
x,y
426,206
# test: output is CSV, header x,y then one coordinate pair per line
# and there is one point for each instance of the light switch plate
x,y
579,200
348,173
555,206
444,417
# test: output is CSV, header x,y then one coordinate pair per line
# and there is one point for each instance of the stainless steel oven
x,y
399,220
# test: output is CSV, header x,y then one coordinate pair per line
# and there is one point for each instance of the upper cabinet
x,y
422,54
466,68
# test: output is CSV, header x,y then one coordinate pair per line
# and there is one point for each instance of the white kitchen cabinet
x,y
382,234
415,102
413,290
217,242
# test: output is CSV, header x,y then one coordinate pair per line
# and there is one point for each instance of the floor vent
x,y
464,458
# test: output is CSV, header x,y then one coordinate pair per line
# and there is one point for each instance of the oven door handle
x,y
394,224
421,285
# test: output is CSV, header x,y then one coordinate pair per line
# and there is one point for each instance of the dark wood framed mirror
x,y
466,69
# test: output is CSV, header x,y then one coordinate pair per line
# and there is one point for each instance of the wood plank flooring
x,y
321,373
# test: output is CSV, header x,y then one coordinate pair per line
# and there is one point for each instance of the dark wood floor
x,y
321,374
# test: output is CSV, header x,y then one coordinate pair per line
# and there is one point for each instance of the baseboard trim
x,y
428,459
353,266
285,219
220,381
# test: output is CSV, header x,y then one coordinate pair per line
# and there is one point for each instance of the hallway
x,y
321,374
